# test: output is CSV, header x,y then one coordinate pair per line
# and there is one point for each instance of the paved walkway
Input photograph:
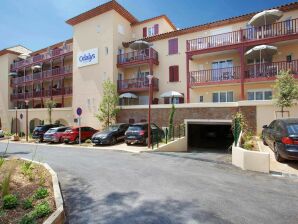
x,y
288,167
116,187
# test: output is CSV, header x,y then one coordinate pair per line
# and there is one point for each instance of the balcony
x,y
215,76
137,58
42,75
269,71
41,57
280,29
255,72
136,85
67,91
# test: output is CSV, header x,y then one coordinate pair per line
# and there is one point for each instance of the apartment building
x,y
207,64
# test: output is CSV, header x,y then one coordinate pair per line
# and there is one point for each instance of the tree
x,y
171,121
50,104
286,91
108,107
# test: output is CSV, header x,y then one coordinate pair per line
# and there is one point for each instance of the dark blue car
x,y
282,137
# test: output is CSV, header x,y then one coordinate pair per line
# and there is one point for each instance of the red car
x,y
71,135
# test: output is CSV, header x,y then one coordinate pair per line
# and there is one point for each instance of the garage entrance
x,y
209,136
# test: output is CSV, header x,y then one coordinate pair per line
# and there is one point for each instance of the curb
x,y
58,217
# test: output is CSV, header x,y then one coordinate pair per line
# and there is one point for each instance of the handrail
x,y
282,28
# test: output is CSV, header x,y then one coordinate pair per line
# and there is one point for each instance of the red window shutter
x,y
181,100
145,32
156,29
176,73
171,77
173,46
167,100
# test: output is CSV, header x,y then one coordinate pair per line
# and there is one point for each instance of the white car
x,y
1,133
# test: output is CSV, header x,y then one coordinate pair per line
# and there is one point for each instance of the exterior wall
x,y
137,30
63,114
87,81
206,92
5,61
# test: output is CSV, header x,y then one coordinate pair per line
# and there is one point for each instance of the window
x,y
289,58
201,99
151,31
259,95
222,97
174,73
173,46
120,29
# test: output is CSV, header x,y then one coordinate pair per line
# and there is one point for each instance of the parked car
x,y
40,130
71,135
54,135
1,133
138,133
110,135
282,137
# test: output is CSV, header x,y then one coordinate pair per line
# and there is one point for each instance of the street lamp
x,y
150,77
27,106
16,125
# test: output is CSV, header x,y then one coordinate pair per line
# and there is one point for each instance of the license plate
x,y
95,141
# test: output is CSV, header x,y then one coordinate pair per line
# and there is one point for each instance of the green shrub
x,y
28,203
27,170
10,201
88,141
27,219
41,210
41,193
5,185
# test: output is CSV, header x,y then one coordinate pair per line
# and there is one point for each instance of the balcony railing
x,y
263,71
215,75
43,93
134,85
283,28
270,70
44,56
42,75
137,57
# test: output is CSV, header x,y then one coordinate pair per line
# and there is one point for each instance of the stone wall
x,y
160,116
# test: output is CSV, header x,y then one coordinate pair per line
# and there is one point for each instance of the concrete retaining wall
x,y
178,145
251,160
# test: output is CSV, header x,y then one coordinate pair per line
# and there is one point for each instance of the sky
x,y
37,24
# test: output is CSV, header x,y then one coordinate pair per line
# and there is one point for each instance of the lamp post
x,y
150,77
16,125
27,106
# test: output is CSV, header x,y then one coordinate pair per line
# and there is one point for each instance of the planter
x,y
15,138
250,160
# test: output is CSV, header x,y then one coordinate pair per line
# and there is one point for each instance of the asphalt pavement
x,y
110,187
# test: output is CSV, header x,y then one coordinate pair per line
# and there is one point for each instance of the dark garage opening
x,y
210,137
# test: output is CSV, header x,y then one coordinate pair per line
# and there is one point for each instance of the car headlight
x,y
103,136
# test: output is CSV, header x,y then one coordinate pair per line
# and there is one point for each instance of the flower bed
x,y
27,194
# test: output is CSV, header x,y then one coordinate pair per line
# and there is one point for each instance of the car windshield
x,y
52,130
292,129
112,128
135,128
38,128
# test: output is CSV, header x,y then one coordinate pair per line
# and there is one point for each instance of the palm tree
x,y
50,104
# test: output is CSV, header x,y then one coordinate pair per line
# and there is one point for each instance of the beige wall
x,y
137,30
63,114
5,61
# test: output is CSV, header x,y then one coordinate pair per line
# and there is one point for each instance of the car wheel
x,y
127,143
277,155
114,141
76,141
264,142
